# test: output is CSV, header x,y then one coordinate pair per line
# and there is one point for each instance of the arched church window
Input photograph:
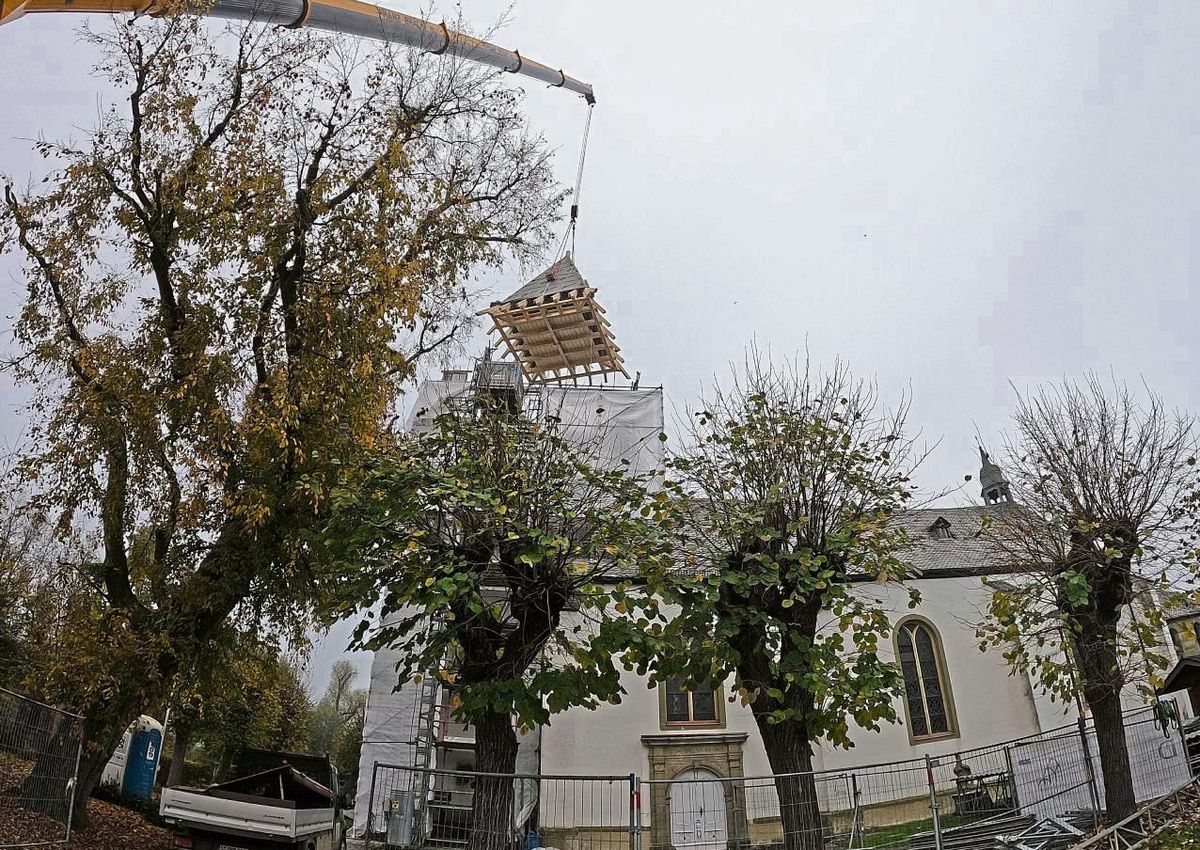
x,y
927,699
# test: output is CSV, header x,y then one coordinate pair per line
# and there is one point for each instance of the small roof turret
x,y
992,483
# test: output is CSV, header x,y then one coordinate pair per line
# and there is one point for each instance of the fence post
x,y
1187,758
933,803
855,811
74,785
370,808
1012,780
635,812
1090,769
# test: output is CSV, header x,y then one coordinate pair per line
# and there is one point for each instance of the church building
x,y
561,357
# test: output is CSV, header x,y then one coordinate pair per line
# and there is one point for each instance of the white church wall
x,y
990,704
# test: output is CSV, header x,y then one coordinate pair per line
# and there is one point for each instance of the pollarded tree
x,y
794,478
497,547
229,278
1105,483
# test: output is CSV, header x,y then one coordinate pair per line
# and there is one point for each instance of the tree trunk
x,y
183,743
1099,668
224,764
48,782
1119,799
1095,636
492,806
790,755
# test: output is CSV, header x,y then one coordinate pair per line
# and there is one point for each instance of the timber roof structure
x,y
554,327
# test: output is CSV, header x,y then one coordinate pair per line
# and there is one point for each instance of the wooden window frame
x,y
939,657
718,703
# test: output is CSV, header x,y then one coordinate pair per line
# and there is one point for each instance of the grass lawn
x,y
889,836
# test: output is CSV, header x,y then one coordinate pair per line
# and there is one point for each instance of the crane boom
x,y
351,17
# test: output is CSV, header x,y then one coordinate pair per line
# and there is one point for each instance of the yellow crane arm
x,y
352,17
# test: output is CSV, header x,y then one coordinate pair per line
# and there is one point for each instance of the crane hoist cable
x,y
569,234
349,17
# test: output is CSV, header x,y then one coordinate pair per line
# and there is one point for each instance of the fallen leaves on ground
x,y
109,827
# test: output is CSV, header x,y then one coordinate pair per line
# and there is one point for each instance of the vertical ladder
x,y
423,741
425,726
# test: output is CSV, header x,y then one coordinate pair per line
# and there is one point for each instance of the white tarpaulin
x,y
1051,777
389,725
611,425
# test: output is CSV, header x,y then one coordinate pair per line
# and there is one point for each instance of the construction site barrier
x,y
412,807
970,798
39,761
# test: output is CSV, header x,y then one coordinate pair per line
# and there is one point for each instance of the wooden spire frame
x,y
560,336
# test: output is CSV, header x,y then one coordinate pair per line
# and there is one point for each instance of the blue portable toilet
x,y
141,764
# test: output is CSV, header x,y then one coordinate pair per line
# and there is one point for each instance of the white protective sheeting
x,y
610,425
431,398
525,791
388,732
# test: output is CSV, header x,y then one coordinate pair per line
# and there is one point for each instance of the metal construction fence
x,y
412,807
951,802
39,761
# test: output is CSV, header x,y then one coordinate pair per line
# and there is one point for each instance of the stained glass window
x,y
920,655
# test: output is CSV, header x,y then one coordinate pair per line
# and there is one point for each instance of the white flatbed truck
x,y
279,807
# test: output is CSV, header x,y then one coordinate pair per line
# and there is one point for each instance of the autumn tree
x,y
793,478
228,279
28,574
1105,486
337,721
500,550
244,692
338,705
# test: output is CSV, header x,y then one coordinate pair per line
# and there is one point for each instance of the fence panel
x,y
891,804
950,802
412,807
35,804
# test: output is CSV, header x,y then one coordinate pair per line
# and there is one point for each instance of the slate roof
x,y
957,551
563,276
962,550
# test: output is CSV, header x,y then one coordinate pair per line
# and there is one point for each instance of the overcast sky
x,y
952,196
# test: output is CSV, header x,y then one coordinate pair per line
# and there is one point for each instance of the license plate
x,y
229,847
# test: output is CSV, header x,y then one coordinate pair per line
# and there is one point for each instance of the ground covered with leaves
x,y
110,827
1184,835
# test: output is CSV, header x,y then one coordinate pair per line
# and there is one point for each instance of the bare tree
x,y
1106,490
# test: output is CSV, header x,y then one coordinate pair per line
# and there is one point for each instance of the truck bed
x,y
247,816
279,804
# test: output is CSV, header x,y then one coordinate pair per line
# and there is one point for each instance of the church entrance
x,y
697,804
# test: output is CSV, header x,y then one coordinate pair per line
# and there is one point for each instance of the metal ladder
x,y
424,739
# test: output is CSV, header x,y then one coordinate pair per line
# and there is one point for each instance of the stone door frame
x,y
719,753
